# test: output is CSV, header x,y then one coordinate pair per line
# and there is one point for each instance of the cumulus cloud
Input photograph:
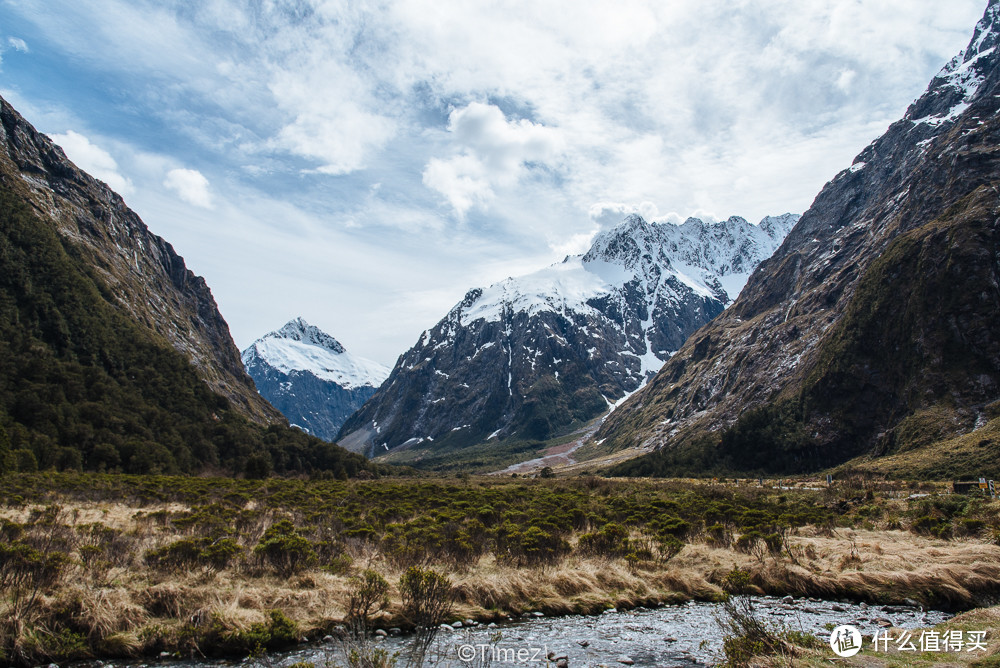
x,y
492,152
332,123
94,160
18,44
519,115
190,185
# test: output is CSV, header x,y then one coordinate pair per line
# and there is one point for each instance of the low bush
x,y
284,550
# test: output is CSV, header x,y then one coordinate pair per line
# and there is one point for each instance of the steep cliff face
x,y
529,357
308,375
113,356
147,278
878,310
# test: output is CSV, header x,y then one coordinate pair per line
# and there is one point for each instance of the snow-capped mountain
x,y
309,376
530,356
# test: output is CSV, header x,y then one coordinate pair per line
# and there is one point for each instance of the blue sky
x,y
363,164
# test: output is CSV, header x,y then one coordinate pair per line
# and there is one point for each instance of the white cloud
x,y
462,180
609,214
493,153
190,185
331,123
18,44
490,126
845,79
574,245
94,160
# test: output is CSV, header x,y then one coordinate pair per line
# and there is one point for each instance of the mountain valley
x,y
531,358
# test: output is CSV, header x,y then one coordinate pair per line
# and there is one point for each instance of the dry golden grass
x,y
119,606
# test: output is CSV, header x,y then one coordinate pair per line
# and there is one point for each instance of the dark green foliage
x,y
550,409
83,386
670,546
193,552
276,633
700,459
531,546
25,570
611,540
773,439
919,334
283,549
528,522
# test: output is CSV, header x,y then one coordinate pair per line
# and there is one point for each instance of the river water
x,y
677,635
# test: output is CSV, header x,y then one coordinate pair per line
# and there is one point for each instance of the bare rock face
x,y
878,310
530,357
147,278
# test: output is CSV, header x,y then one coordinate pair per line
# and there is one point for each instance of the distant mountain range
x,y
872,335
530,357
308,375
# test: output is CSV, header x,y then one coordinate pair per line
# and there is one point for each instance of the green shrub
x,y
221,553
971,527
670,547
611,540
219,637
931,526
180,554
284,550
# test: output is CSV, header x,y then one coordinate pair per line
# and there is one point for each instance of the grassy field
x,y
125,566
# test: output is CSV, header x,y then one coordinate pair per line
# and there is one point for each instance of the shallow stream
x,y
678,635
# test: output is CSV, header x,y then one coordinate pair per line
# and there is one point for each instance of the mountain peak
x,y
731,246
310,377
301,347
625,243
986,34
844,327
298,329
956,86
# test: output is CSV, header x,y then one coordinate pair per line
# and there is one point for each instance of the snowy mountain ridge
x,y
528,357
711,259
299,346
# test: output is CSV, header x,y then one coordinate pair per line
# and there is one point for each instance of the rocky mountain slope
x,y
142,271
113,355
308,375
527,358
873,329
